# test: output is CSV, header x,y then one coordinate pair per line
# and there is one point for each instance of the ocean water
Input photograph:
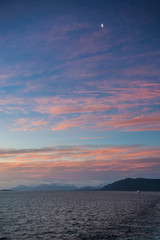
x,y
77,215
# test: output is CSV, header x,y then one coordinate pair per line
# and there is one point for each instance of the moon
x,y
102,26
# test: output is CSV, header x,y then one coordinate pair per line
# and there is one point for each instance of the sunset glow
x,y
79,102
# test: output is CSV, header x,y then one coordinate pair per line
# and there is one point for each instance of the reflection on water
x,y
79,215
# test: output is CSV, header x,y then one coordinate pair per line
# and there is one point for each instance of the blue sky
x,y
68,83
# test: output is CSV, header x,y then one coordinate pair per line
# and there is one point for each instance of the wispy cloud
x,y
86,138
132,106
78,162
123,122
25,124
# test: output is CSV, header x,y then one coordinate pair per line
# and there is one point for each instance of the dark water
x,y
79,215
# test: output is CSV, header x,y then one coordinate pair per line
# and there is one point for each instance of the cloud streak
x,y
78,162
133,107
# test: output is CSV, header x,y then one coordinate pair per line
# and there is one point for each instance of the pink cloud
x,y
93,42
131,123
63,105
143,70
78,162
124,122
25,124
131,106
123,98
86,138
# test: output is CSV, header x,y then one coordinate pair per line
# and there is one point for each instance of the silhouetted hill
x,y
130,184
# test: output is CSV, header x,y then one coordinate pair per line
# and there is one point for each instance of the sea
x,y
79,215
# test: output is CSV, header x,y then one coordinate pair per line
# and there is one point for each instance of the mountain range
x,y
46,187
128,184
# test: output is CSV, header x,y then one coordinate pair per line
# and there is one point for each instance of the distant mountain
x,y
45,187
5,190
88,188
130,184
91,188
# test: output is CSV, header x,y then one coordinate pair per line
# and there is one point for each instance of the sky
x,y
79,103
